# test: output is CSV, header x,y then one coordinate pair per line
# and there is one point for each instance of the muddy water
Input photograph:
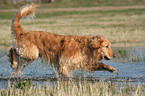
x,y
128,70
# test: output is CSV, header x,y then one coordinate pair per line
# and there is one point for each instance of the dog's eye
x,y
106,46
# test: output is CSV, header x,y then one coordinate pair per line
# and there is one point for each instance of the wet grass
x,y
71,88
129,54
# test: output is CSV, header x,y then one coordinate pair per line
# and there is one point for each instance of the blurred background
x,y
71,3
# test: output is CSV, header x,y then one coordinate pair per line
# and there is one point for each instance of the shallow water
x,y
127,71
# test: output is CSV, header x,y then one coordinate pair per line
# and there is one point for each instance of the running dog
x,y
64,52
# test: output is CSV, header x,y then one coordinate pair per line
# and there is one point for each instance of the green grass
x,y
109,13
6,15
92,3
72,88
78,3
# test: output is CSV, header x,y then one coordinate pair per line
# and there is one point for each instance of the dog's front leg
x,y
101,66
64,71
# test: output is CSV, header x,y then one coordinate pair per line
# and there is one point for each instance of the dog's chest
x,y
76,60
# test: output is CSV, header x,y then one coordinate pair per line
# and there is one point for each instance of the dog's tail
x,y
24,11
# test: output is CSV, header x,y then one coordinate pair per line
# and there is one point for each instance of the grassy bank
x,y
118,26
70,88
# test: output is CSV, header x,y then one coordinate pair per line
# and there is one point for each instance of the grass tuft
x,y
71,88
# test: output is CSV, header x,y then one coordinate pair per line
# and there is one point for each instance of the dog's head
x,y
102,48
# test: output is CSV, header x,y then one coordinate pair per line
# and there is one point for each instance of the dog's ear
x,y
95,45
95,42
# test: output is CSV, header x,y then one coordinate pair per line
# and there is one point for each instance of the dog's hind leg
x,y
13,58
17,62
22,63
100,66
27,53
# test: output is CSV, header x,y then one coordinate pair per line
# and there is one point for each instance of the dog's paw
x,y
111,69
16,73
13,65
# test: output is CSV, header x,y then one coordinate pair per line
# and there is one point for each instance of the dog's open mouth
x,y
106,58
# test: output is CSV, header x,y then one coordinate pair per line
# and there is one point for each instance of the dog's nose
x,y
114,55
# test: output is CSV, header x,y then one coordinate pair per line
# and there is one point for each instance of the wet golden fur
x,y
65,52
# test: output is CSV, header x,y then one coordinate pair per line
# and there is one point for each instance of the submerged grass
x,y
71,88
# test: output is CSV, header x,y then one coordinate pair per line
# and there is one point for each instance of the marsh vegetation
x,y
71,88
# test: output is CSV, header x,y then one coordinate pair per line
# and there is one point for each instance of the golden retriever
x,y
64,52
